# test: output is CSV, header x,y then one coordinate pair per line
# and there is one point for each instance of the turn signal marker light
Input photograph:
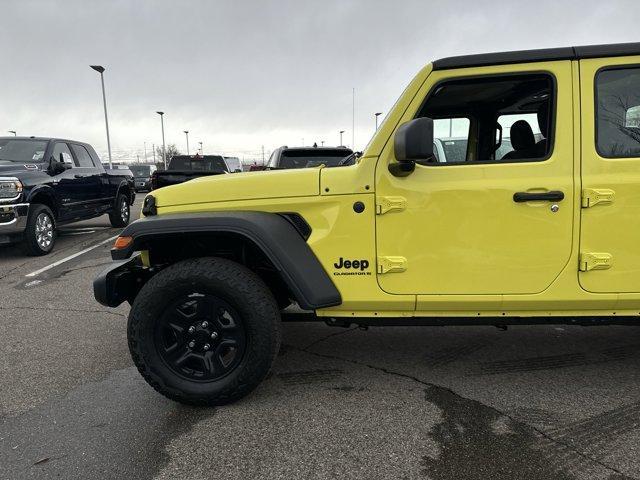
x,y
122,242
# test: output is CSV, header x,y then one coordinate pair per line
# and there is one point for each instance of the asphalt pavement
x,y
535,402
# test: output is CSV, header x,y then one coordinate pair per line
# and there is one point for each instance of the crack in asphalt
x,y
327,337
451,392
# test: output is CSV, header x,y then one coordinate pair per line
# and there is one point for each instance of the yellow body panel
x,y
468,249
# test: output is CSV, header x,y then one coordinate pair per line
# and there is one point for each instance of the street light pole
x,y
186,132
14,132
341,132
153,147
145,152
164,149
377,114
200,143
100,70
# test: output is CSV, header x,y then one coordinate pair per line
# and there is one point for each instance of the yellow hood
x,y
241,186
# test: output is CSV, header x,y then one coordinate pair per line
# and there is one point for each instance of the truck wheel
x,y
40,233
204,331
119,216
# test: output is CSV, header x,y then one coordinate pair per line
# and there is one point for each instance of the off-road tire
x,y
239,287
116,216
31,245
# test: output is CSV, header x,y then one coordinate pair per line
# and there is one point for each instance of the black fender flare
x,y
131,187
276,236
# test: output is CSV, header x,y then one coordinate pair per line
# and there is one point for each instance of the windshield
x,y
208,163
24,151
140,170
312,158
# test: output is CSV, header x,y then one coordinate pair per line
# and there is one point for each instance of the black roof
x,y
43,139
542,55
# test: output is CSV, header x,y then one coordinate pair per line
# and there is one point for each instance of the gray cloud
x,y
242,74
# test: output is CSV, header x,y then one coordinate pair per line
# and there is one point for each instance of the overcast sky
x,y
239,75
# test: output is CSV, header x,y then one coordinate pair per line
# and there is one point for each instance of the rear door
x,y
89,178
610,214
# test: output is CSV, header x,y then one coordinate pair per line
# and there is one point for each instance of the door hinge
x,y
593,196
386,204
391,264
595,261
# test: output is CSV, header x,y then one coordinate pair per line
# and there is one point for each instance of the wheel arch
x,y
267,243
45,195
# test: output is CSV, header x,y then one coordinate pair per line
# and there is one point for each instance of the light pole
x,y
186,132
164,150
377,114
14,132
145,152
100,70
153,147
341,132
200,143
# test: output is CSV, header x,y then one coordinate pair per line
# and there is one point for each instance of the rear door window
x,y
83,157
618,112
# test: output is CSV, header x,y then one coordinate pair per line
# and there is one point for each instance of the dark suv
x,y
303,157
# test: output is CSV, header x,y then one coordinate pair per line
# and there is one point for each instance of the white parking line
x,y
70,257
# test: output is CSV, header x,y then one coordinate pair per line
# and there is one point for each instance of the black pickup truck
x,y
187,167
48,182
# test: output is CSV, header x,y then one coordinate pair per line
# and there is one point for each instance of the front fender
x,y
276,236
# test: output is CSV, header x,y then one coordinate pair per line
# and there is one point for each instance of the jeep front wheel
x,y
204,331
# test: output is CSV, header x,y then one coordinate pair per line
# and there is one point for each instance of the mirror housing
x,y
58,166
413,142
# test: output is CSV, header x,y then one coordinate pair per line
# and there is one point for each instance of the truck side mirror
x,y
413,142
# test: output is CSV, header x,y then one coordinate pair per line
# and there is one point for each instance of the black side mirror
x,y
413,142
58,166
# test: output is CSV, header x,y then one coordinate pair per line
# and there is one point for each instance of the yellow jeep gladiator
x,y
532,216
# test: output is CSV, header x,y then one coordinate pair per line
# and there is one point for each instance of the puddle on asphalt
x,y
478,442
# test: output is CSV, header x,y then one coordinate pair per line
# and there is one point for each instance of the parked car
x,y
142,176
187,167
48,182
303,157
546,233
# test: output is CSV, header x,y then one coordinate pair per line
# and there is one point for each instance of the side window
x,y
618,113
63,148
450,138
506,118
83,157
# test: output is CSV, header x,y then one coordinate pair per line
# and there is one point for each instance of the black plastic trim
x,y
501,321
117,283
552,196
541,55
283,245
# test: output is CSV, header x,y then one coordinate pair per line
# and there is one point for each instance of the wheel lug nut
x,y
192,344
214,335
206,346
205,324
192,329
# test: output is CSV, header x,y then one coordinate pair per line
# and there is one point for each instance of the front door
x,y
492,214
610,217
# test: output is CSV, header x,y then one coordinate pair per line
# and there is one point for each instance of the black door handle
x,y
78,176
552,196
